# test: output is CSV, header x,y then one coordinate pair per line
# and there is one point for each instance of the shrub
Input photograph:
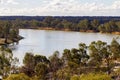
x,y
93,76
20,76
75,77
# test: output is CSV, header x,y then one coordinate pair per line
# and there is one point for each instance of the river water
x,y
45,42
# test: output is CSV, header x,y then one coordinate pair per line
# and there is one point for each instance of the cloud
x,y
7,2
64,8
12,2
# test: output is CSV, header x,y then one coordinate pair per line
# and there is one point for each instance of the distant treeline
x,y
85,24
102,19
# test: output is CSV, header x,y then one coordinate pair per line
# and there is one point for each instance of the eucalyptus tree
x,y
83,48
6,29
55,23
48,21
95,23
67,24
115,49
40,59
64,74
29,63
84,25
113,25
95,52
66,56
6,58
109,27
78,56
100,55
55,63
41,70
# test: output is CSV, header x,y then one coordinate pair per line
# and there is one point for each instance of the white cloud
x,y
65,7
12,2
6,2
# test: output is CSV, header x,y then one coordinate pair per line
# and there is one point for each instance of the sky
x,y
59,7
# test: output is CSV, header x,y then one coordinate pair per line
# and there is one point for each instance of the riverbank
x,y
9,41
87,31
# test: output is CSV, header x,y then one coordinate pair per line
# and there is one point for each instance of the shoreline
x,y
16,40
87,31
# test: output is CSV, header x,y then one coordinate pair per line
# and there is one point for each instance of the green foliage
x,y
95,23
55,63
34,63
20,76
94,76
6,58
96,51
76,56
75,77
115,49
109,27
63,73
50,22
40,58
41,70
29,63
84,25
101,55
9,32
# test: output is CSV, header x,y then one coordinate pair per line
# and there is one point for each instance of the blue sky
x,y
60,7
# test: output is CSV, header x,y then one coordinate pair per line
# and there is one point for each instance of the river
x,y
45,42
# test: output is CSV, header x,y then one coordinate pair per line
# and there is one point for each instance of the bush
x,y
21,76
75,77
93,76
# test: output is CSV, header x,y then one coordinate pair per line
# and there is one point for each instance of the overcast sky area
x,y
60,7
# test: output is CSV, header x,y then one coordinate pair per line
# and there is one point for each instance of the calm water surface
x,y
45,42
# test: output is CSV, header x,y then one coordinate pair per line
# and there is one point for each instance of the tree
x,y
113,25
7,26
41,70
63,74
115,49
6,58
100,55
108,27
29,63
66,56
34,23
101,28
55,23
48,21
15,66
13,35
95,24
55,63
83,51
40,59
118,24
95,51
79,56
84,25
